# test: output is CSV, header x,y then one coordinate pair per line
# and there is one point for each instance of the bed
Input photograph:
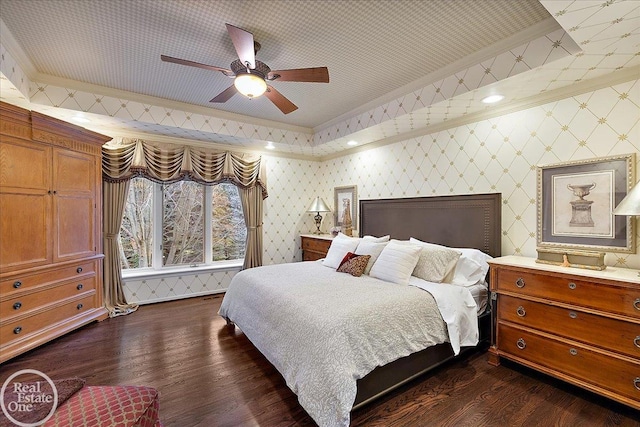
x,y
343,364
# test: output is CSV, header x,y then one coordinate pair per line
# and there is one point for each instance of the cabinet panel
x,y
73,173
74,217
15,155
25,230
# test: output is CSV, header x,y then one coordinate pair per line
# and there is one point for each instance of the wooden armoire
x,y
50,229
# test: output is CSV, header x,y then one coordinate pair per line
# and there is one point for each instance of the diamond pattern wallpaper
x,y
494,155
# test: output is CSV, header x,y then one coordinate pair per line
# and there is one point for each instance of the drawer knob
x,y
520,282
79,306
17,330
521,311
573,352
79,270
636,341
572,285
18,283
636,383
636,303
521,344
573,315
17,305
79,286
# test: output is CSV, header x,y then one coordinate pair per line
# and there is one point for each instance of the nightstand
x,y
582,326
315,246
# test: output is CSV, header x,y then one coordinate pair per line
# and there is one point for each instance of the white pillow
x,y
377,239
471,268
435,261
370,247
340,245
396,262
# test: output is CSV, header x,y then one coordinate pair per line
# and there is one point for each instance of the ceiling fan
x,y
251,76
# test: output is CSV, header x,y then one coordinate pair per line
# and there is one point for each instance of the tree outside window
x,y
183,208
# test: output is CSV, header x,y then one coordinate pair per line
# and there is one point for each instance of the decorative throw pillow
x,y
370,247
396,262
340,245
354,266
346,258
435,261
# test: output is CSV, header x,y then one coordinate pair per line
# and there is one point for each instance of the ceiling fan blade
x,y
225,95
280,101
314,75
243,42
224,71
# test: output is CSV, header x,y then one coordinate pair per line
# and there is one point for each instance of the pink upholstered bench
x,y
109,406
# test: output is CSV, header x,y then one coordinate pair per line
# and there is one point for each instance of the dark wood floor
x,y
209,375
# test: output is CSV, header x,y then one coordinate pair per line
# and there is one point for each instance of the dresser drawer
x,y
21,329
317,245
571,290
314,248
604,332
31,301
616,374
16,284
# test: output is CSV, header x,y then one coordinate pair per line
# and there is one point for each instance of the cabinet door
x,y
74,205
25,204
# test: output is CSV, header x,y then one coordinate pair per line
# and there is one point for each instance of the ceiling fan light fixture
x,y
250,85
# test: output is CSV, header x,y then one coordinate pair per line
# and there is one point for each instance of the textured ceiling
x,y
376,52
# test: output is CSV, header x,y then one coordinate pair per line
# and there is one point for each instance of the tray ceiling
x,y
377,52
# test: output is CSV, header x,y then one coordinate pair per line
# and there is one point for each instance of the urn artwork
x,y
581,208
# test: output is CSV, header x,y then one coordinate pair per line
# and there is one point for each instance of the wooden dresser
x,y
578,325
315,246
51,229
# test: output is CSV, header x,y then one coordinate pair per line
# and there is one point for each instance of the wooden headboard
x,y
466,221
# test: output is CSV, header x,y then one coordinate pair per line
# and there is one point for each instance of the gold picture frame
x,y
350,193
575,203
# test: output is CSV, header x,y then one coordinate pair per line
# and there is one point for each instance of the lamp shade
x,y
250,85
630,205
318,205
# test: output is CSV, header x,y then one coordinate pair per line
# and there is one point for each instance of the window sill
x,y
149,273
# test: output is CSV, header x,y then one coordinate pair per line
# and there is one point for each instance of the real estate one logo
x,y
23,401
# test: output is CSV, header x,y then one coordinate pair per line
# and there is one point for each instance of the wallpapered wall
x,y
494,155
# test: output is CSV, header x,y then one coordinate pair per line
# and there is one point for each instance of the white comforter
x,y
323,330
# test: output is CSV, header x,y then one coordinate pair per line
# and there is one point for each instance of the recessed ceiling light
x,y
352,142
270,146
492,99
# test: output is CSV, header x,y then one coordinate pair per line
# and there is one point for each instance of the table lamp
x,y
318,205
630,205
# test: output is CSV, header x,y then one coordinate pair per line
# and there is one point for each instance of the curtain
x,y
125,158
114,198
251,199
166,163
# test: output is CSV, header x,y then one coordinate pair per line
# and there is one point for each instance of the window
x,y
192,224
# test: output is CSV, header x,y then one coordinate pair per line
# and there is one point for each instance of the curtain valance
x,y
162,162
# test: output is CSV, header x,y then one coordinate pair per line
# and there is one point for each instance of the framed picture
x,y
345,198
576,202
